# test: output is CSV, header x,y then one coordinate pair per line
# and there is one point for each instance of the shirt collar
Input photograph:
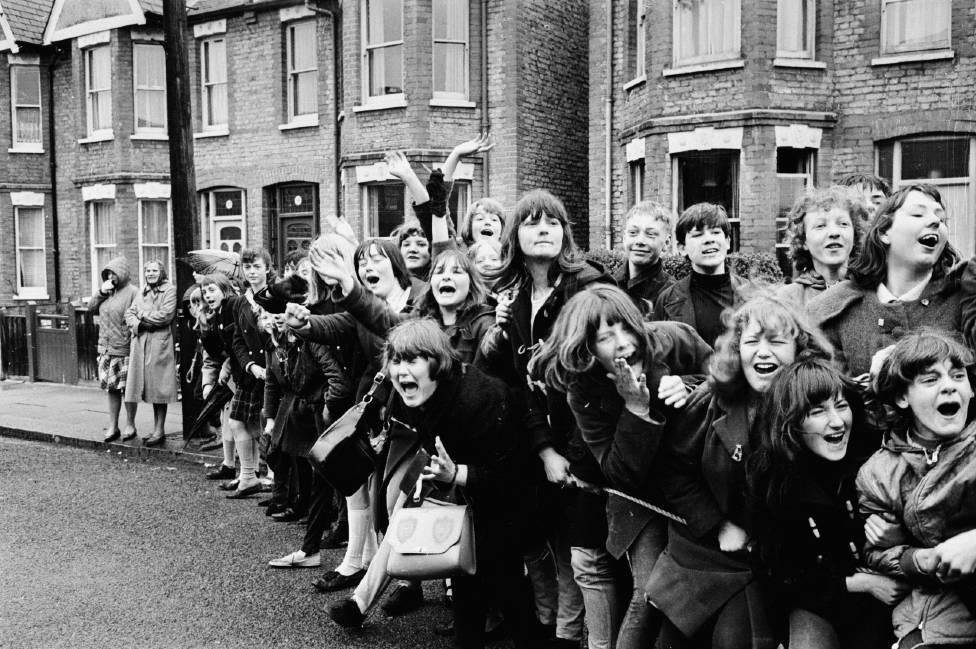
x,y
885,296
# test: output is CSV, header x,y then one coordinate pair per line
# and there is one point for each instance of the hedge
x,y
761,266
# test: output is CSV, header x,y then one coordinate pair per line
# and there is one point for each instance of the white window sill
x,y
636,81
23,297
786,62
300,123
713,66
446,102
914,57
106,136
381,103
156,137
214,133
26,148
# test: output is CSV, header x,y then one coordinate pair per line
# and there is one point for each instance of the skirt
x,y
112,372
247,403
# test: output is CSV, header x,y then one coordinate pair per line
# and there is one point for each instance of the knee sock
x,y
370,544
247,450
359,528
229,452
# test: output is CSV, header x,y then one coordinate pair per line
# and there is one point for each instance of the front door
x,y
296,206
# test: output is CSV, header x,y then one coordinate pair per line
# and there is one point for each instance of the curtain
x,y
707,29
215,81
150,82
916,24
30,247
450,46
384,24
27,104
792,27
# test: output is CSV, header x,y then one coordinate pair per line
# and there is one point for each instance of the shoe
x,y
245,492
211,446
223,473
111,437
264,502
130,435
337,537
346,614
287,515
230,485
324,584
274,508
403,599
155,440
297,560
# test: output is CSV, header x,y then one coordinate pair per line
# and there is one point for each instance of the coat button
x,y
925,301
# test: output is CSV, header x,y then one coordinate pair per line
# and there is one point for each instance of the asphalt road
x,y
101,551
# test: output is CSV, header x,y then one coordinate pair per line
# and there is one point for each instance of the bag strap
x,y
377,382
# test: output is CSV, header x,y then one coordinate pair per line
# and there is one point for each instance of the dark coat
x,y
249,341
477,418
858,325
675,303
225,326
645,288
626,446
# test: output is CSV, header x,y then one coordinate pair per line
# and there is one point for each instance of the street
x,y
98,550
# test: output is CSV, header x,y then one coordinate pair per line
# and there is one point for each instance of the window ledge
x,y
26,148
97,137
445,102
914,57
23,297
785,62
300,123
396,101
215,133
633,83
713,66
155,137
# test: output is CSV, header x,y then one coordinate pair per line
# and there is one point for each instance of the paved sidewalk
x,y
77,416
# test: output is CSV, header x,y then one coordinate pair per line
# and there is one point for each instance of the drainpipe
x,y
334,12
485,117
53,161
608,118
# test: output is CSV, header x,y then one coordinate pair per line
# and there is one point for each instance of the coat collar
x,y
732,427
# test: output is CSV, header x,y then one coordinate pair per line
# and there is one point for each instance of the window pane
x,y
28,126
449,65
100,68
229,236
150,109
303,46
886,156
933,159
27,81
451,20
32,273
150,66
384,22
386,207
916,24
101,105
305,87
296,199
155,222
707,28
102,257
217,104
30,227
386,71
793,26
103,224
215,61
156,253
228,203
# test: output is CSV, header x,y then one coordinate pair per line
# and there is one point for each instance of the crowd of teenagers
x,y
703,462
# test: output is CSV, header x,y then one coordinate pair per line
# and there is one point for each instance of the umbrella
x,y
219,396
210,261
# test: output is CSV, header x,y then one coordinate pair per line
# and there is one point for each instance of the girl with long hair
x,y
808,534
903,279
621,378
703,582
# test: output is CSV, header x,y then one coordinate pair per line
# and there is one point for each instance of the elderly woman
x,y
703,582
152,360
826,228
464,421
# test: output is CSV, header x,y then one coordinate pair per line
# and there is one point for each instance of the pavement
x,y
77,415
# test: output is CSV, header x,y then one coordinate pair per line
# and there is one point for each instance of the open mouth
x,y
765,369
408,386
835,438
447,289
929,240
948,409
834,246
630,359
487,232
709,251
372,280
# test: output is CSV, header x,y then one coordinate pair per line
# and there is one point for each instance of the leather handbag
x,y
343,453
431,539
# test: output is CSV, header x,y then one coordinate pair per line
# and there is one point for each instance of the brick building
x,y
294,104
745,102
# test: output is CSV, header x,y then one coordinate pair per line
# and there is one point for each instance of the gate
x,y
51,336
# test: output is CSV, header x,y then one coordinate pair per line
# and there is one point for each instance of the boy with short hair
x,y
924,476
874,189
704,235
647,233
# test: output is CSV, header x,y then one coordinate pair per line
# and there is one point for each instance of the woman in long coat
x,y
152,359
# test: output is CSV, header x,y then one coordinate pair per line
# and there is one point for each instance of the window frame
x,y
207,86
16,146
30,292
95,247
371,224
136,89
810,53
887,50
140,204
700,59
92,132
640,41
392,99
292,74
636,175
443,94
208,225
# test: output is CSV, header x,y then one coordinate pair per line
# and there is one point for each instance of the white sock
x,y
229,452
359,524
370,544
